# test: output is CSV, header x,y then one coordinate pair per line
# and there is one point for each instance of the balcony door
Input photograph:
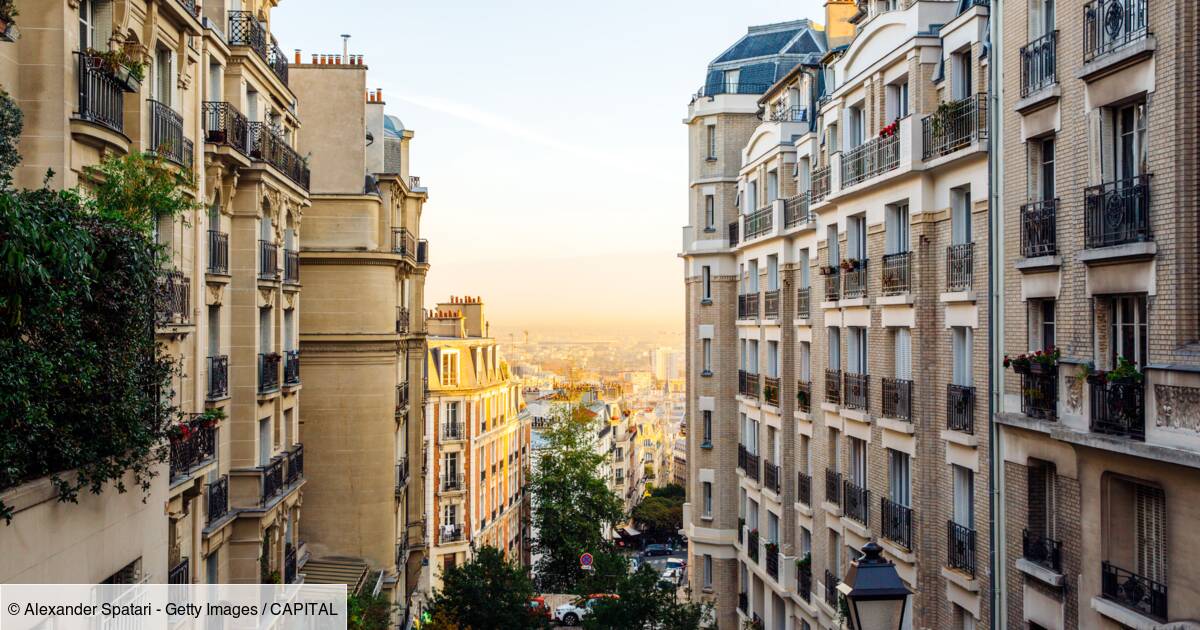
x,y
164,76
751,197
899,478
264,441
960,342
1041,18
772,185
835,348
1129,141
964,497
1127,329
896,228
856,237
857,346
903,353
960,219
858,462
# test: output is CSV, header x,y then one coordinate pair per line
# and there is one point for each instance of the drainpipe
x,y
996,315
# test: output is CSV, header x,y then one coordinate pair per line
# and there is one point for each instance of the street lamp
x,y
875,594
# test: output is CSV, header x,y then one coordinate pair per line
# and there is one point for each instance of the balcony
x,y
1109,25
268,260
1042,550
897,522
291,266
218,252
267,146
897,274
1039,395
752,465
295,464
796,212
272,480
833,386
1039,64
193,444
960,408
772,552
718,87
897,398
804,488
291,367
404,243
954,126
218,499
1039,228
855,281
856,501
246,30
733,233
960,552
771,390
453,431
833,487
450,533
402,397
960,267
804,579
771,479
268,372
173,300
803,396
402,320
819,189
759,222
180,573
803,303
752,545
452,482
748,384
1118,407
833,288
858,391
870,159
771,304
218,377
1117,212
401,475
225,125
788,114
166,134
1135,592
831,592
101,95
748,306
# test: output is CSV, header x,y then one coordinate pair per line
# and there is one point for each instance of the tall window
x,y
858,462
163,76
265,338
449,374
710,212
1045,169
772,185
1041,19
831,245
856,236
773,359
707,343
804,371
1127,336
708,571
896,228
960,219
773,272
834,337
1040,498
706,283
707,415
902,342
899,478
711,130
751,196
960,342
1042,324
87,24
708,499
1129,140
964,497
963,74
857,345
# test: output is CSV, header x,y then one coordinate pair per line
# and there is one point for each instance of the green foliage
x,y
574,506
1125,370
84,386
659,516
486,593
139,188
368,612
645,604
670,491
8,10
11,120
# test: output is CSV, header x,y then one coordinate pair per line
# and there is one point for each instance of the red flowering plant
x,y
1039,361
890,130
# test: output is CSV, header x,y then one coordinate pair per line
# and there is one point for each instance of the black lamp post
x,y
874,592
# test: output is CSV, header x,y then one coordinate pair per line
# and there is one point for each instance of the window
x,y
163,76
856,236
857,345
772,185
731,81
751,196
707,416
707,344
897,100
1129,140
772,527
264,441
710,212
773,272
963,72
960,218
899,478
450,515
1041,324
1041,18
902,342
214,331
960,342
834,337
708,499
1045,169
1040,498
804,373
289,329
855,123
964,497
896,228
708,571
212,567
1127,337
835,553
831,245
706,283
87,24
773,359
858,462
712,141
265,338
449,375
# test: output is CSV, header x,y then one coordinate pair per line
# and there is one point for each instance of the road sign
x,y
585,560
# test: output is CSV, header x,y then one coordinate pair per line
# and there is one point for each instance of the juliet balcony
x,y
897,522
166,135
833,386
803,302
291,368
268,260
173,299
748,384
1039,64
803,396
856,501
1110,25
1042,550
896,274
101,94
820,184
870,159
960,552
748,306
268,372
960,267
453,431
771,304
960,408
897,398
771,477
218,377
857,391
1133,591
760,222
955,125
1039,394
1039,228
1117,212
218,252
1118,406
833,487
855,281
225,125
804,488
452,482
833,289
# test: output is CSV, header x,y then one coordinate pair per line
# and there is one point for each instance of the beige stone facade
x,y
226,506
1097,235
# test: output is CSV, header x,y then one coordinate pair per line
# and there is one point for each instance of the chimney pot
x,y
380,92
297,56
314,58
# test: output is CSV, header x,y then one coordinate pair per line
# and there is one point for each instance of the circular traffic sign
x,y
585,560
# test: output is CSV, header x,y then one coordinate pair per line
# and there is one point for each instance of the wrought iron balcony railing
x,y
714,88
856,501
452,482
277,61
819,179
759,222
174,298
291,367
753,465
955,125
748,384
771,480
1133,591
804,488
1039,395
268,372
803,302
960,408
772,560
804,580
290,574
218,499
897,522
180,573
1039,228
748,306
833,386
266,146
272,479
742,453
1109,25
1042,550
218,377
450,533
960,267
870,159
831,592
788,114
246,30
453,430
166,133
193,445
771,304
1039,63
218,252
803,396
897,398
404,243
295,464
855,281
1117,212
268,260
752,545
833,487
796,212
402,320
960,552
733,233
896,276
857,391
225,125
833,287
101,95
1118,407
771,390
291,266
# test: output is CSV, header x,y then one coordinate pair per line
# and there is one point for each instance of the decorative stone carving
x,y
1074,394
1177,407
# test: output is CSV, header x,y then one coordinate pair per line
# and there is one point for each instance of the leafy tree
x,y
368,612
573,506
486,593
670,491
658,516
645,604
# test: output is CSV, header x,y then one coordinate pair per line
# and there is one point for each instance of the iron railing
x,y
1042,550
833,386
1039,228
225,125
748,306
291,266
819,182
788,114
871,158
713,88
772,560
960,267
897,522
752,545
194,445
452,482
1133,591
246,30
401,474
1112,24
796,212
857,391
268,260
833,487
833,288
452,430
753,466
268,372
402,320
804,488
174,298
180,573
166,132
290,574
267,146
1039,395
1039,63
291,367
101,95
272,479
759,222
404,243
402,397
960,552
960,408
855,281
277,61
733,233
771,480
856,502
802,302
218,252
803,396
1118,407
218,377
1117,212
450,533
742,453
295,464
831,592
956,125
804,580
771,390
748,384
896,274
218,499
897,398
771,304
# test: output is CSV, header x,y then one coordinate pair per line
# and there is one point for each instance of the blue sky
x,y
549,134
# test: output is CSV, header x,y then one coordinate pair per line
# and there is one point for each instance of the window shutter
x,y
1151,538
903,354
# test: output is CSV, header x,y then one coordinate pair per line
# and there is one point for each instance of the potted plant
x,y
8,27
127,70
1126,372
772,548
1044,362
851,264
890,130
1019,363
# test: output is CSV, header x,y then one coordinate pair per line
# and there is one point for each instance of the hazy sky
x,y
549,134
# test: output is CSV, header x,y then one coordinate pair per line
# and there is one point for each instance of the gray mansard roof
x,y
764,55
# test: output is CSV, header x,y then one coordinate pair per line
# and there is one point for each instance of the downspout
x,y
997,551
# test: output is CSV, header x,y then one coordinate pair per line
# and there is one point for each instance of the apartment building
x,y
1097,236
478,441
226,506
851,256
362,334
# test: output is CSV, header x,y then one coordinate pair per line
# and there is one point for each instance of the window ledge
x,y
706,445
1123,615
962,579
1041,98
958,437
1039,572
706,373
957,296
1038,263
1117,59
710,230
1142,249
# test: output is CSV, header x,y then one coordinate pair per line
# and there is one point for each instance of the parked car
x,y
571,614
671,578
676,563
538,607
656,550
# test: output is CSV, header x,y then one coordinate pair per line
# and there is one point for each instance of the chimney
x,y
838,29
345,46
297,56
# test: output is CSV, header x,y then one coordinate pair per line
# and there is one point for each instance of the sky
x,y
550,136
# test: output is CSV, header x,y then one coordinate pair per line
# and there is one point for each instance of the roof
x,y
763,56
392,127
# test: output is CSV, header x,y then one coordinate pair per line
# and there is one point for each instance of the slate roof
x,y
764,55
